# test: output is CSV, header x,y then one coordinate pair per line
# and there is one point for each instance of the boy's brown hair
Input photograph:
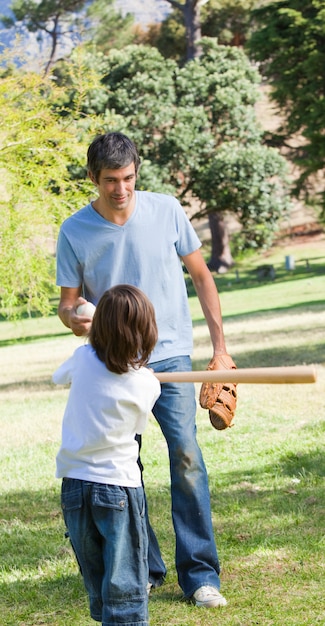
x,y
124,330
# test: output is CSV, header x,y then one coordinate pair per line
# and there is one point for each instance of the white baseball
x,y
87,309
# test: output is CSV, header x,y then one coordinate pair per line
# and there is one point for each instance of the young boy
x,y
111,395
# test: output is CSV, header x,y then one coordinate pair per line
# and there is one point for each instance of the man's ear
x,y
92,177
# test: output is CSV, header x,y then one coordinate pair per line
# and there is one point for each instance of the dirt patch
x,y
302,235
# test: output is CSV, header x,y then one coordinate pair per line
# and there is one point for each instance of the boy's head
x,y
111,151
124,330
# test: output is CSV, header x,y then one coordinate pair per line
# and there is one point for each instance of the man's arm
x,y
209,298
67,311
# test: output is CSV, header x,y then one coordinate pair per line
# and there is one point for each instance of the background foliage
x,y
195,124
288,42
40,147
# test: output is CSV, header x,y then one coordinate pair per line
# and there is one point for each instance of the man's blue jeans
x,y
196,554
107,530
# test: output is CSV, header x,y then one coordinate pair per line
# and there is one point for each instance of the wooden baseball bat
x,y
296,374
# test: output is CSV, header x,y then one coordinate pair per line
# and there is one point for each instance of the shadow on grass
x,y
303,307
36,559
33,338
312,464
39,600
274,357
32,529
40,383
289,517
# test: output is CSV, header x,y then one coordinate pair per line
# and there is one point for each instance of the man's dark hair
x,y
111,151
124,330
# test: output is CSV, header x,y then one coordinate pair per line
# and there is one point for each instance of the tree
x,y
40,149
190,10
49,18
236,173
289,45
248,180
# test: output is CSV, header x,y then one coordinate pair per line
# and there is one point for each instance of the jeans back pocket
x,y
110,497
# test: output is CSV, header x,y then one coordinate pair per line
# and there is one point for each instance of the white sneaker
x,y
149,587
209,597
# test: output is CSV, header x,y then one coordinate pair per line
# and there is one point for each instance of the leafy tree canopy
x,y
289,44
39,151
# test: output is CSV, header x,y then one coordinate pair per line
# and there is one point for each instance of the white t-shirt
x,y
103,414
146,252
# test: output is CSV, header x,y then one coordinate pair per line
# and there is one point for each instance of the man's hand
x,y
220,398
69,302
79,324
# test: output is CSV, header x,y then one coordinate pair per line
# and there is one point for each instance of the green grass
x,y
266,473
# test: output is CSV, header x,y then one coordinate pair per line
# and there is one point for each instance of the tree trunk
x,y
221,260
192,22
54,36
191,14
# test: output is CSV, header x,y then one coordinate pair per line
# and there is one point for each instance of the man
x,y
142,238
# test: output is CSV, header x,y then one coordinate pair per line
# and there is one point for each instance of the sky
x,y
144,11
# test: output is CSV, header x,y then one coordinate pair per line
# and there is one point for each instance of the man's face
x,y
116,187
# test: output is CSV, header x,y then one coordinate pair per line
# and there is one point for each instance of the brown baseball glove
x,y
220,398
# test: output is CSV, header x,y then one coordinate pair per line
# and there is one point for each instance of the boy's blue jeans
x,y
196,554
107,530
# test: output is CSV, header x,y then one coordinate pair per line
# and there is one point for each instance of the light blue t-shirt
x,y
144,252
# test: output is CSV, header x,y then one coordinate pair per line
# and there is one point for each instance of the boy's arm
x,y
63,375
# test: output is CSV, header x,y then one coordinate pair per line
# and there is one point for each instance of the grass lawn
x,y
266,473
